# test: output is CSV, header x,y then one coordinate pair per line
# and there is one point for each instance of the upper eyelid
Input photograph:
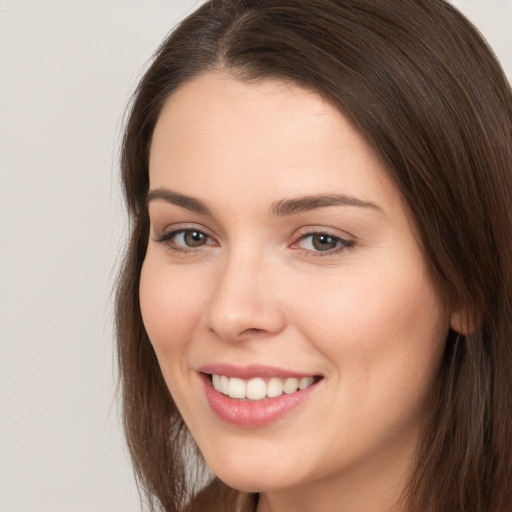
x,y
303,232
318,230
342,244
325,233
180,226
168,234
344,240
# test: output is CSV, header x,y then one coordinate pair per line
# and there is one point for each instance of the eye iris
x,y
194,238
324,242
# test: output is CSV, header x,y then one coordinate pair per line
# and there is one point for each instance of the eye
x,y
185,239
190,238
322,243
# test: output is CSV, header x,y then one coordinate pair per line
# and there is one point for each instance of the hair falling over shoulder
x,y
425,90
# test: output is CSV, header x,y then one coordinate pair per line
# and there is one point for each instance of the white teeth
x,y
224,385
290,386
274,387
236,388
257,388
305,382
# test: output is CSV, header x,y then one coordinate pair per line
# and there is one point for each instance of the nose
x,y
244,302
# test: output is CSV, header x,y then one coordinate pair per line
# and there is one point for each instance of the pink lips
x,y
249,372
246,413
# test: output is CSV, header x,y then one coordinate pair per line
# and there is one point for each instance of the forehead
x,y
262,139
224,113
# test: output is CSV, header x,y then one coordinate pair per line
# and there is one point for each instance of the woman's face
x,y
282,256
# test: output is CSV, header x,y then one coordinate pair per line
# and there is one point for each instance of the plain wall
x,y
67,69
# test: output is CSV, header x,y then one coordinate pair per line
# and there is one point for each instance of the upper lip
x,y
250,371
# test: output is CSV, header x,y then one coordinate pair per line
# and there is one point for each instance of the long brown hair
x,y
422,86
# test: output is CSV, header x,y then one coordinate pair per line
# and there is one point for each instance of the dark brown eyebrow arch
x,y
306,203
190,203
280,208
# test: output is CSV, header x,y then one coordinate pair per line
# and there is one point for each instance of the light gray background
x,y
67,69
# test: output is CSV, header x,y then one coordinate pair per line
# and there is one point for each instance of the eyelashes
x,y
312,243
185,240
322,243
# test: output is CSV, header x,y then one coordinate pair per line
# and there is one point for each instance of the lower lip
x,y
259,413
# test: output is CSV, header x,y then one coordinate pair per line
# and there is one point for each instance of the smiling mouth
x,y
259,388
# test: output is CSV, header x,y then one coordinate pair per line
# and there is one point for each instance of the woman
x,y
318,282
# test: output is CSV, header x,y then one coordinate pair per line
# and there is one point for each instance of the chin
x,y
250,482
247,475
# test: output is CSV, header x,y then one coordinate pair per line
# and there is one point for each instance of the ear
x,y
463,322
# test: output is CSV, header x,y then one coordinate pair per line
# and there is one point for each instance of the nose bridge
x,y
243,300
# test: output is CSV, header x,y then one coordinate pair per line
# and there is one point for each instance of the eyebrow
x,y
281,208
187,202
306,203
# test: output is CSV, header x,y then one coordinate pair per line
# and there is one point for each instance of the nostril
x,y
240,311
253,332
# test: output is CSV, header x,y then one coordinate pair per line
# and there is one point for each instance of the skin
x,y
368,318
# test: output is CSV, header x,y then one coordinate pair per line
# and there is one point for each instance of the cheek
x,y
383,338
381,326
170,308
